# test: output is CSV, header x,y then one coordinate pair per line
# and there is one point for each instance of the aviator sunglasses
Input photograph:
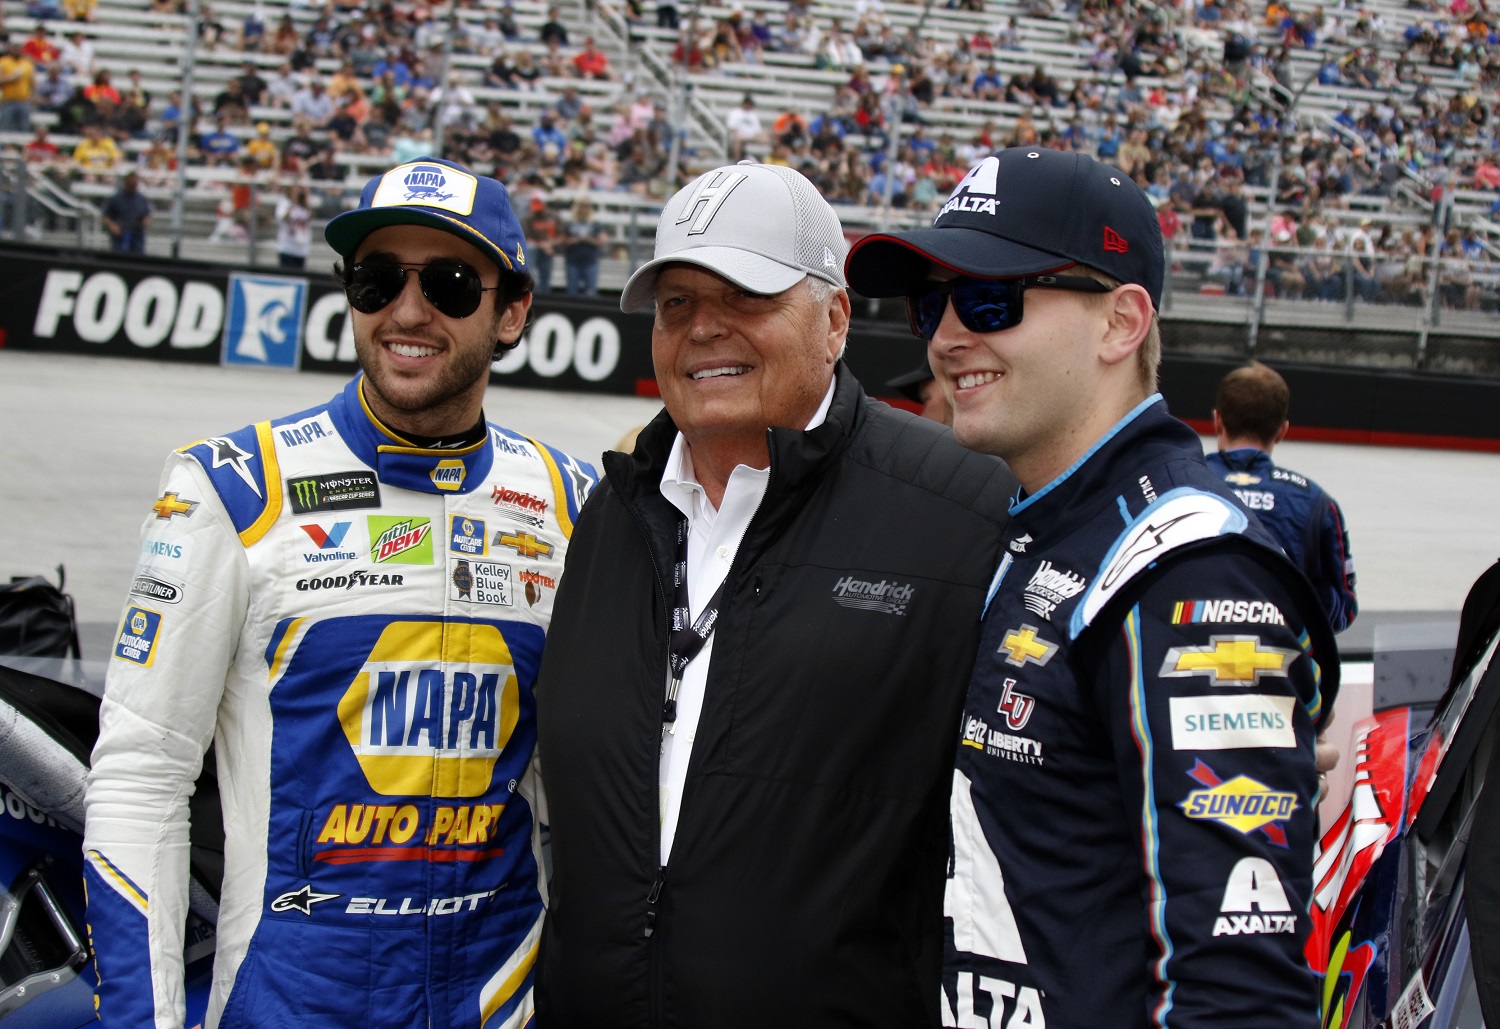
x,y
450,286
986,305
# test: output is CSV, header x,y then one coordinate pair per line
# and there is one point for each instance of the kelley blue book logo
x,y
263,325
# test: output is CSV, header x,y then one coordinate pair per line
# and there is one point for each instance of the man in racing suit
x,y
350,603
1250,418
1132,810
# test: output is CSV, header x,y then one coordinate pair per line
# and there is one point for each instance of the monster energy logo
x,y
333,492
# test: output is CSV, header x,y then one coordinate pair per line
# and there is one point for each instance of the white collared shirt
x,y
714,537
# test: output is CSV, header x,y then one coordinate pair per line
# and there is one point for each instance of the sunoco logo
x,y
886,596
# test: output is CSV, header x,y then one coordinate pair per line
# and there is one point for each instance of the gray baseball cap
x,y
763,227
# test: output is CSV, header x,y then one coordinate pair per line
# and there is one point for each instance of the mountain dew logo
x,y
397,540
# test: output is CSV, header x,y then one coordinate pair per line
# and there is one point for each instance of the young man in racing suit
x,y
1133,803
1250,412
350,602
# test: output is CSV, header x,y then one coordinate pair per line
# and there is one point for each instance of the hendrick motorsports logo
x,y
886,596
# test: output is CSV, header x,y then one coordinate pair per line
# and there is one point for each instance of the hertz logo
x,y
430,715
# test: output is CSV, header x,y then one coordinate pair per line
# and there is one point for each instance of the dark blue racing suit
x,y
1306,522
1133,804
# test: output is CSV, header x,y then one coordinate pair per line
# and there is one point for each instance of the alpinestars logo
x,y
1049,587
886,596
302,900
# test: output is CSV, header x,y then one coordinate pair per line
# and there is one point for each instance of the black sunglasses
x,y
986,305
452,287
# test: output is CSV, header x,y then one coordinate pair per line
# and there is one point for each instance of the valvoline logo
x,y
427,715
426,182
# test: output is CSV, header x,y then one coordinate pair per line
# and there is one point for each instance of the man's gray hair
x,y
822,291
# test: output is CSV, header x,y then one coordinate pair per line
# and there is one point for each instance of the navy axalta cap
x,y
443,195
1023,211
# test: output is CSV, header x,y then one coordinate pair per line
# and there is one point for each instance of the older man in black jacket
x,y
758,655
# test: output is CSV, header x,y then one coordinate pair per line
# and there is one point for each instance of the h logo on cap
x,y
708,198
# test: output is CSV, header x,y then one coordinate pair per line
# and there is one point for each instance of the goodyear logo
x,y
466,536
448,475
429,715
137,639
1241,803
400,540
1229,661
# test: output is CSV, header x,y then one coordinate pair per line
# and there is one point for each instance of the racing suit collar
x,y
1244,458
398,461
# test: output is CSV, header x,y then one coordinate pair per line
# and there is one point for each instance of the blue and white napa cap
x,y
440,194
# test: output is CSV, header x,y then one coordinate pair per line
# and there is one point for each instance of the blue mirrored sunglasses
x,y
986,305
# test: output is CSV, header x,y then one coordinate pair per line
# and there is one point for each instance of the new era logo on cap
x,y
427,185
1114,242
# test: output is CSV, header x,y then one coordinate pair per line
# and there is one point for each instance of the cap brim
x,y
909,385
890,264
345,232
748,271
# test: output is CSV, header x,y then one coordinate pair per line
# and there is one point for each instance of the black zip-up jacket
x,y
805,885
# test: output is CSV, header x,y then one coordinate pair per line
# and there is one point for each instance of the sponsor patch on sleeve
x,y
138,633
1232,722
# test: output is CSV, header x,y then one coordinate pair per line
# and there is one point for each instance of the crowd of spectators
x,y
1167,92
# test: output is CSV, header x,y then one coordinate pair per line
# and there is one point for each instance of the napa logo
x,y
263,326
429,716
137,637
427,184
448,475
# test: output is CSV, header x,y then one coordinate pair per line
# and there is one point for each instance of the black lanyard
x,y
688,637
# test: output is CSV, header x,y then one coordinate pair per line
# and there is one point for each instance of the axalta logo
x,y
150,312
448,475
1049,587
975,192
400,540
1010,1005
1247,612
1229,661
1241,803
431,709
886,596
1254,901
503,496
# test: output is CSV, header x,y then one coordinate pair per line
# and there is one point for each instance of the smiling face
x,y
731,363
1031,394
424,371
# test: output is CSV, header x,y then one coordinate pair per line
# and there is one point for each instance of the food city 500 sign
x,y
207,314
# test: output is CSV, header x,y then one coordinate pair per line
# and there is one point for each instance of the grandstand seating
x,y
130,34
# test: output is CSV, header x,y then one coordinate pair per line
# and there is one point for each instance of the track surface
x,y
89,434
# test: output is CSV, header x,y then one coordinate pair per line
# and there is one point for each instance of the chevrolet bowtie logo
x,y
525,544
1241,479
168,505
1229,661
1021,647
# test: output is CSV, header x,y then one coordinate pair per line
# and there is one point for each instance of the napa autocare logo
x,y
886,596
400,540
336,491
136,642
